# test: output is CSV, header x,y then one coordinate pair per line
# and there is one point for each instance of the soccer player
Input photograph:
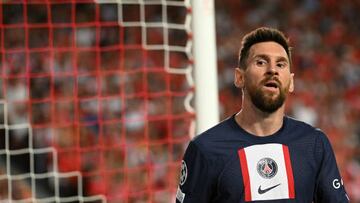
x,y
260,154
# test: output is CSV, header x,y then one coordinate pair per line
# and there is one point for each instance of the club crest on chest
x,y
267,168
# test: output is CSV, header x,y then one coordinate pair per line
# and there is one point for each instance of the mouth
x,y
271,85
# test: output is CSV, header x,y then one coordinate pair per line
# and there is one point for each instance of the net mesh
x,y
94,99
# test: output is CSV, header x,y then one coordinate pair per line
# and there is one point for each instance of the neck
x,y
259,123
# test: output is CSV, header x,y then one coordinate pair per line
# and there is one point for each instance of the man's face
x,y
267,78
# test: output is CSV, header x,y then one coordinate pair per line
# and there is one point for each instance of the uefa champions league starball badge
x,y
267,168
183,172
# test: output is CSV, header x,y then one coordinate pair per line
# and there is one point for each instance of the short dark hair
x,y
262,34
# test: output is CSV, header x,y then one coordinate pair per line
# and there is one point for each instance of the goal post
x,y
205,70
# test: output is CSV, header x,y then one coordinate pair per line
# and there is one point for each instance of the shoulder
x,y
204,155
304,134
303,124
304,128
216,135
298,124
218,143
311,134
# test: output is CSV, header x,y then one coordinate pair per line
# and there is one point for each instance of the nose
x,y
272,69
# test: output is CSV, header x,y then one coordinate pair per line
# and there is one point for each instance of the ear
x,y
291,87
239,78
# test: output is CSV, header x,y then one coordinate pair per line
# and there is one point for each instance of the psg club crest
x,y
267,168
183,172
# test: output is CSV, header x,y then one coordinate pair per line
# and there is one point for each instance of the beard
x,y
267,102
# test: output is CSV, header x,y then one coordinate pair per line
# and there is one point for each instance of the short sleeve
x,y
329,184
194,183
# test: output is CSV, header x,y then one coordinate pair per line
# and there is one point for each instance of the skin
x,y
267,65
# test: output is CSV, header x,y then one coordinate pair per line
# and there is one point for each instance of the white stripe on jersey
x,y
268,173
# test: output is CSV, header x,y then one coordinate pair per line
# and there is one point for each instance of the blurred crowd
x,y
106,103
324,35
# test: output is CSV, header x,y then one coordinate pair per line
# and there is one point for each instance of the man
x,y
259,154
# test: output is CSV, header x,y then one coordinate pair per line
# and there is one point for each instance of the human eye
x,y
260,62
282,64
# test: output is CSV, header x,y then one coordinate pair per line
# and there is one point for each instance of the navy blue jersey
x,y
226,164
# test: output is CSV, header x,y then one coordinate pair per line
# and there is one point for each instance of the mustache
x,y
272,79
